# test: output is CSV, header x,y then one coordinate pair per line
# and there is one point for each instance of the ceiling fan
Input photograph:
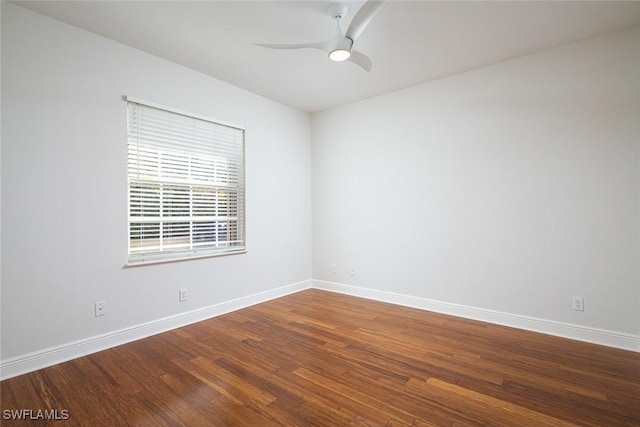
x,y
340,47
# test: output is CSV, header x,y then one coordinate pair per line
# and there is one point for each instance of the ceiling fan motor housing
x,y
344,43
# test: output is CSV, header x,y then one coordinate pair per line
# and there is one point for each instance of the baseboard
x,y
560,329
54,355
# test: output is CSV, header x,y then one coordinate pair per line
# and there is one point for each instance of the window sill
x,y
152,261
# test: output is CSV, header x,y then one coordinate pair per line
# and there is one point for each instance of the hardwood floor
x,y
322,359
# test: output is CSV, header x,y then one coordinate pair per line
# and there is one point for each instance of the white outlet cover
x,y
100,308
578,304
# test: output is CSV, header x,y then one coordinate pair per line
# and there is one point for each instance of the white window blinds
x,y
186,185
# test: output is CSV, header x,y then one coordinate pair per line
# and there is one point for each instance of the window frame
x,y
221,248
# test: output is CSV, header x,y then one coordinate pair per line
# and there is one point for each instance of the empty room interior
x,y
412,213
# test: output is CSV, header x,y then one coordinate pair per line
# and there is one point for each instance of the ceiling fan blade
x,y
362,18
325,45
360,59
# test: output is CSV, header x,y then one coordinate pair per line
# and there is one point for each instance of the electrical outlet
x,y
578,304
101,308
352,271
183,295
334,268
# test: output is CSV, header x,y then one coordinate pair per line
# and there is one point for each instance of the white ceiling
x,y
409,42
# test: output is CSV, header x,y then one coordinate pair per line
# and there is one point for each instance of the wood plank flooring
x,y
317,358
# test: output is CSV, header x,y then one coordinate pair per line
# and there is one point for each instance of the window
x,y
186,185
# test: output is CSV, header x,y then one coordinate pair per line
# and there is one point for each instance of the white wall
x,y
64,200
510,188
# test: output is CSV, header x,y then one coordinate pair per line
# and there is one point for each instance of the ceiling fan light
x,y
339,55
